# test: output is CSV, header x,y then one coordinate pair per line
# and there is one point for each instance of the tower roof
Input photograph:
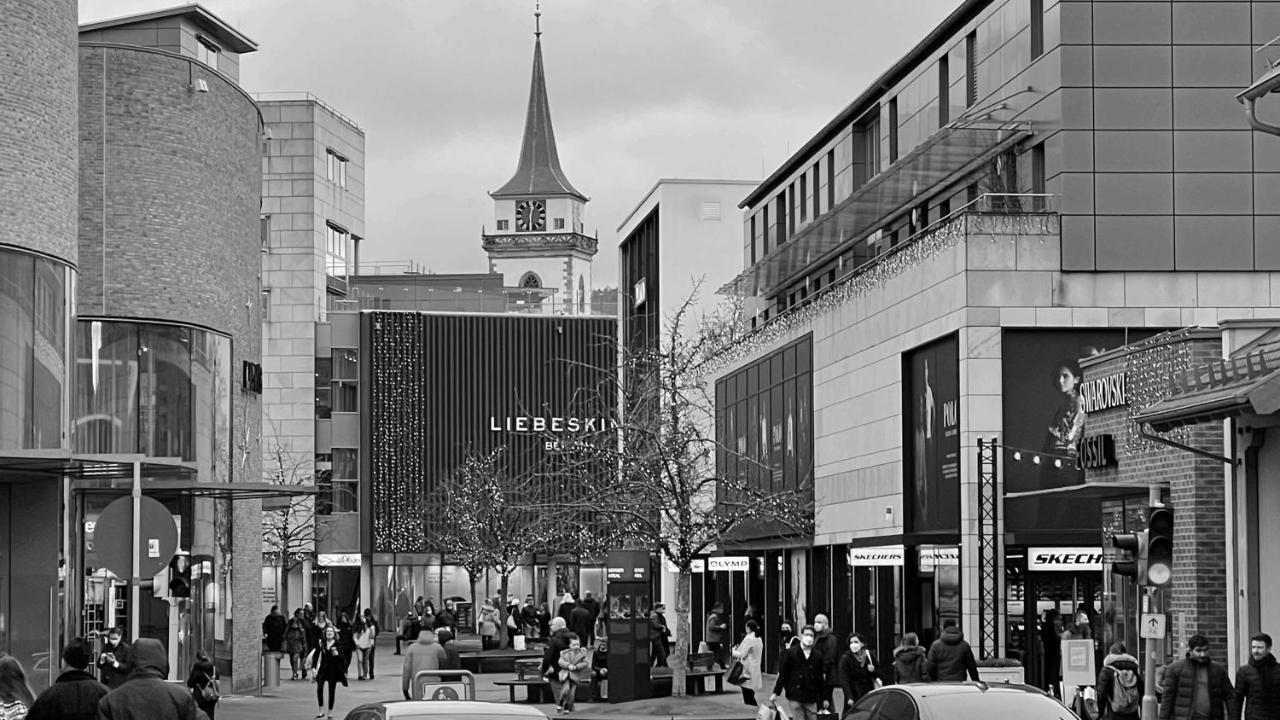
x,y
539,170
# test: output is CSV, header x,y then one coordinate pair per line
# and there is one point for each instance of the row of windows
x,y
337,481
337,386
556,223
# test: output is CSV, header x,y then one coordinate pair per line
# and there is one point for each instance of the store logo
x,y
1097,451
1064,559
524,423
1105,392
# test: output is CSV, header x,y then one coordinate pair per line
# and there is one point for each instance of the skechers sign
x,y
1064,559
1105,392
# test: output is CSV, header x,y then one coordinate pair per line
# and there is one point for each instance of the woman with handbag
x,y
203,682
747,655
330,668
856,672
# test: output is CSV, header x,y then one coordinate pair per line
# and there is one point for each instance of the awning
x,y
1092,490
948,155
1219,390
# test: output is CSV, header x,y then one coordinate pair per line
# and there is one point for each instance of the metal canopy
x,y
1099,490
949,154
160,476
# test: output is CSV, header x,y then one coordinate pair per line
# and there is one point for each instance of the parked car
x,y
439,709
959,701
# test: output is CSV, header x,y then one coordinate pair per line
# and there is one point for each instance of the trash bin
x,y
271,670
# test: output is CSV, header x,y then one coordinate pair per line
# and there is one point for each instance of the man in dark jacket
x,y
453,659
273,630
583,623
714,634
826,644
950,658
801,677
557,642
113,661
1196,688
591,604
75,694
1257,692
146,695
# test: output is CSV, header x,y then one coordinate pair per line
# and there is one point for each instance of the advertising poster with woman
x,y
932,459
1043,417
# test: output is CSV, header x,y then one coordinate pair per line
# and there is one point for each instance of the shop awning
x,y
948,155
1092,490
1219,390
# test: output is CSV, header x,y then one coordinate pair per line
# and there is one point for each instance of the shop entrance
x,y
1034,636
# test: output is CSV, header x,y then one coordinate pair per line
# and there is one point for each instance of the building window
x,y
803,199
780,207
324,376
768,230
944,91
339,482
831,179
971,69
530,280
337,168
1037,169
335,250
207,52
1037,28
893,130
504,224
558,223
817,196
791,211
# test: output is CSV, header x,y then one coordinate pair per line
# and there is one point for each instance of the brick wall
x,y
170,189
1196,599
37,126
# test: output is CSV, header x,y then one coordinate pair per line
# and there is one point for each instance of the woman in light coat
x,y
749,652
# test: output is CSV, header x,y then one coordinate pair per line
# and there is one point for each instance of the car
x,y
958,701
442,710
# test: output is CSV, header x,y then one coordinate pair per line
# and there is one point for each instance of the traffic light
x,y
1160,546
180,576
1136,566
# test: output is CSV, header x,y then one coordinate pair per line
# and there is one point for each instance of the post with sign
x,y
629,601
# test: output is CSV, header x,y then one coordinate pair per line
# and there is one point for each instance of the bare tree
x,y
289,528
664,492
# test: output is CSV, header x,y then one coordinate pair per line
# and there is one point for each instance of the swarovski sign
x,y
1105,392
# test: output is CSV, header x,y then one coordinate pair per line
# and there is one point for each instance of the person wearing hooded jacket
x,y
424,654
1119,686
452,658
908,661
1258,683
145,695
75,694
950,659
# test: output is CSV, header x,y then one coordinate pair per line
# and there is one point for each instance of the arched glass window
x,y
530,280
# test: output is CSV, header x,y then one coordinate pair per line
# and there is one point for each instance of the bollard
x,y
271,670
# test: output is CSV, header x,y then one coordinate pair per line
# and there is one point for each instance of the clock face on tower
x,y
531,215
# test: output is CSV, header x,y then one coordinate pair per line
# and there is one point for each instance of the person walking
x,y
363,636
409,629
659,636
544,621
448,618
346,639
1119,687
16,697
800,677
296,644
1257,692
145,694
515,628
749,652
714,633
452,658
856,672
329,668
599,668
950,659
424,654
273,627
529,616
374,628
828,646
557,642
575,669
909,662
1051,645
75,694
583,624
202,681
114,662
1196,688
487,623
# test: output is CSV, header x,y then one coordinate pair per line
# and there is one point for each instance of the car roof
x,y
925,690
455,707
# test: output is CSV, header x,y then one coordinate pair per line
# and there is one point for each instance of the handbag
x,y
737,673
209,693
563,675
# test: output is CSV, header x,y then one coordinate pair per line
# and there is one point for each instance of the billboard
x,y
932,437
1044,417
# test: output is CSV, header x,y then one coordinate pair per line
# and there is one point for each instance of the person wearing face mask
x,y
828,646
1119,686
1258,682
857,673
1196,688
801,677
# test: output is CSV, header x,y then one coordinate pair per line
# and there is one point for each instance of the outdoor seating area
x,y
699,667
490,661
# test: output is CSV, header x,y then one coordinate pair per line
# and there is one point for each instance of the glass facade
x,y
35,309
159,390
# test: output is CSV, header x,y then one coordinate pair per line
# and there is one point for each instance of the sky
x,y
639,90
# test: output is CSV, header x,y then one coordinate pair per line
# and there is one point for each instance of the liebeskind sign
x,y
1105,392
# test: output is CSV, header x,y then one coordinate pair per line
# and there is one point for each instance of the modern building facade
x,y
1032,184
313,200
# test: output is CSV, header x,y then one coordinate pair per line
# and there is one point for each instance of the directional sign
x,y
1152,626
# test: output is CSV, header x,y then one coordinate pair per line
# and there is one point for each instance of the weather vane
x,y
537,19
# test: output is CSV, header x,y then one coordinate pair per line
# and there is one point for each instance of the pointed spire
x,y
538,172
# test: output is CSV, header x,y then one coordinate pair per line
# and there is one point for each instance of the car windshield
x,y
986,705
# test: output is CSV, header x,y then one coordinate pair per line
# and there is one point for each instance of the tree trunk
x,y
503,607
679,657
283,600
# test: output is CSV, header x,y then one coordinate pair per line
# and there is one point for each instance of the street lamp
x,y
1263,86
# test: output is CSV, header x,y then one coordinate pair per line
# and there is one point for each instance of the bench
x,y
528,676
480,661
698,667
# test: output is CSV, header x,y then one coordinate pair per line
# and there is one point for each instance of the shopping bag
x,y
766,712
780,711
736,674
517,642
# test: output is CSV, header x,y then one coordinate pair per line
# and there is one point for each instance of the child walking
x,y
575,669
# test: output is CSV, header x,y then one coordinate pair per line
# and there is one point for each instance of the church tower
x,y
538,242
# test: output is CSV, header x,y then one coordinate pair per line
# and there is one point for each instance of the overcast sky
x,y
639,89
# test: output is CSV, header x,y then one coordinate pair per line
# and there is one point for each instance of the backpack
x,y
1124,700
209,693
